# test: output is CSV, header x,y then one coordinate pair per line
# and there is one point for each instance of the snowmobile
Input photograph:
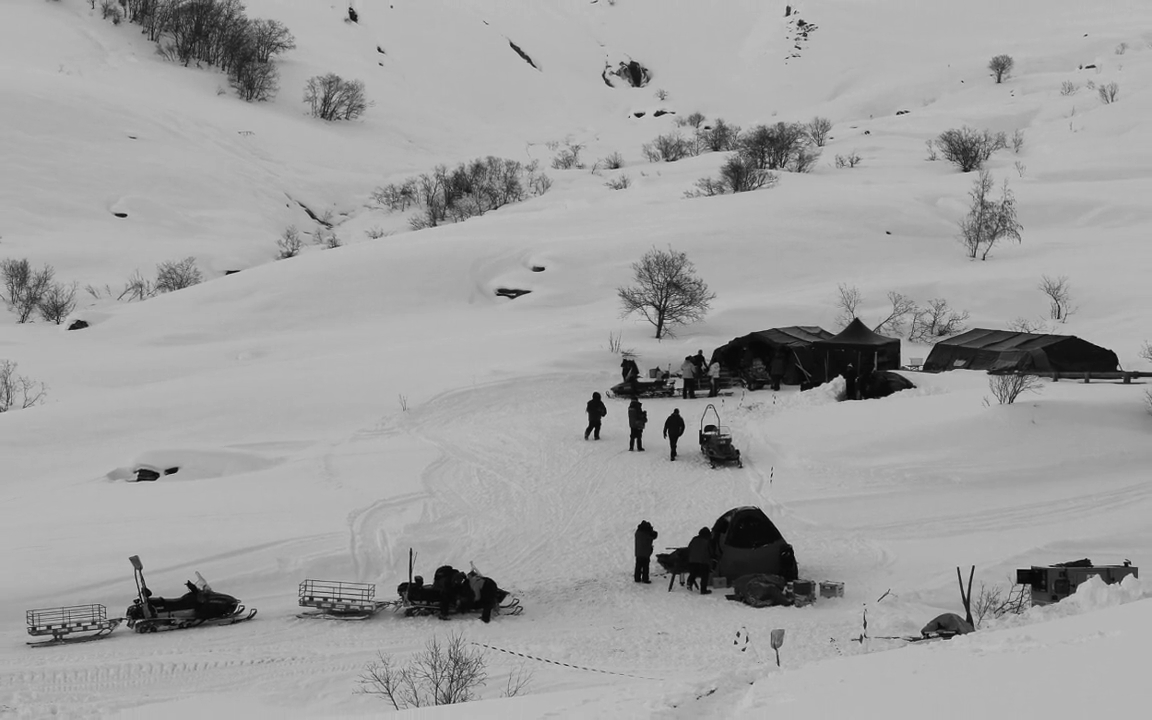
x,y
661,387
201,605
716,440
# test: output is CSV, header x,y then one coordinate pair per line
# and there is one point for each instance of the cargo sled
x,y
716,440
201,605
339,600
72,624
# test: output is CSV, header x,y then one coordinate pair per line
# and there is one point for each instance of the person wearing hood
x,y
673,429
700,560
645,534
596,411
637,419
688,375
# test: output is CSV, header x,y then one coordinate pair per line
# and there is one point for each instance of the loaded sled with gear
x,y
454,592
201,605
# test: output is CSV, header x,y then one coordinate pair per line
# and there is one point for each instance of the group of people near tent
x,y
637,420
699,556
696,373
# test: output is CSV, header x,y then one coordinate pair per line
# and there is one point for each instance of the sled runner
x,y
63,624
199,606
339,600
716,441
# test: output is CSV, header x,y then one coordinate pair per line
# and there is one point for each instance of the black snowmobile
x,y
201,605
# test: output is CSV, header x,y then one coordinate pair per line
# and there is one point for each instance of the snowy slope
x,y
331,411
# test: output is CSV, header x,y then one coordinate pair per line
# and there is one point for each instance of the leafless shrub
x,y
988,221
18,392
667,148
289,243
1001,67
332,240
1006,388
1059,293
850,160
900,308
969,149
375,232
620,182
848,302
175,275
568,158
1025,325
614,339
613,161
331,97
667,292
442,674
518,681
1020,168
1068,88
109,10
255,81
1121,48
783,146
1017,141
25,288
722,136
396,196
58,302
137,287
994,602
1108,92
694,120
931,145
818,129
738,174
936,320
1146,351
97,293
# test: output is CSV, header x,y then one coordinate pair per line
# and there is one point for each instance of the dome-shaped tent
x,y
745,542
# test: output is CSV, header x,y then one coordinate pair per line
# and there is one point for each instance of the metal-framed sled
x,y
339,600
65,623
716,440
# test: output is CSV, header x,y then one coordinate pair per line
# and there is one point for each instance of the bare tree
x,y
818,129
667,292
994,602
442,674
848,303
969,149
988,221
58,302
722,136
138,287
331,97
255,81
1010,386
1001,67
1059,294
667,148
1108,92
270,37
936,321
900,307
17,391
289,243
177,274
1024,325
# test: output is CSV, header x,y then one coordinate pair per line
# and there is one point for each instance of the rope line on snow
x,y
561,664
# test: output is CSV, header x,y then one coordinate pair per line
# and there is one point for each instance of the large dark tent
x,y
865,350
1004,350
750,356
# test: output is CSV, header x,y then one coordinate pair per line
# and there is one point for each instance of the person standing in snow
x,y
776,368
714,379
645,534
596,411
688,375
700,363
850,382
700,560
637,419
673,429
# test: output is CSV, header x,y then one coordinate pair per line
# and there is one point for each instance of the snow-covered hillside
x,y
330,411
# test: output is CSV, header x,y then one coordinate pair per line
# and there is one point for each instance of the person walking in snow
x,y
645,534
714,379
637,419
596,411
673,429
700,560
688,375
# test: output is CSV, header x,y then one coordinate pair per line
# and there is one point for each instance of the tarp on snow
x,y
1007,351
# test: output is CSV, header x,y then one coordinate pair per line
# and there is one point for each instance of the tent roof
x,y
793,336
858,334
1004,340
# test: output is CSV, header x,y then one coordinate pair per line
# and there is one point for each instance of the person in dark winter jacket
x,y
701,364
850,382
673,429
645,534
637,419
776,367
629,370
700,560
596,411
